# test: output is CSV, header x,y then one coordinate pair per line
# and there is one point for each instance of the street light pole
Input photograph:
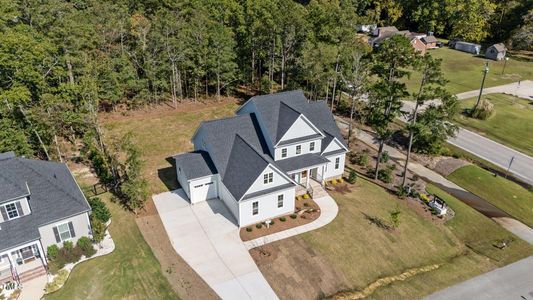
x,y
485,71
505,64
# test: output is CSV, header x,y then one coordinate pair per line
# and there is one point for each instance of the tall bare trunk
x,y
282,70
335,82
70,73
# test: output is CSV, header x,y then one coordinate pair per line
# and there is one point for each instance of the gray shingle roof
x,y
195,164
300,139
301,161
429,39
499,47
12,188
268,191
54,196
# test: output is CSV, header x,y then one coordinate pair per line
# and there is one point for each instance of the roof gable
x,y
301,127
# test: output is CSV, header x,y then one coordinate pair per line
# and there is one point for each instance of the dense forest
x,y
63,61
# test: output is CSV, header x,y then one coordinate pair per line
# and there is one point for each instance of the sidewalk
x,y
328,212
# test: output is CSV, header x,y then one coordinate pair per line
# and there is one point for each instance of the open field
x,y
511,123
464,71
356,252
130,272
502,193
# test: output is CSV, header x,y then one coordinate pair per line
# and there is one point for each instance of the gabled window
x,y
284,152
268,178
312,146
255,208
280,201
298,149
337,162
11,211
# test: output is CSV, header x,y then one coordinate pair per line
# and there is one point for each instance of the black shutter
x,y
56,233
71,227
19,208
4,213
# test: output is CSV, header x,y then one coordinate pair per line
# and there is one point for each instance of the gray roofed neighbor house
x,y
429,39
195,164
301,162
55,195
499,47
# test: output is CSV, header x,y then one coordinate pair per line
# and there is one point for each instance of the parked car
x,y
440,44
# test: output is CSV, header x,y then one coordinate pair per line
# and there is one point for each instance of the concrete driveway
x,y
206,236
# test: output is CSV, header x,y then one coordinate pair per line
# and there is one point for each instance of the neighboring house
x,y
276,147
467,47
366,28
496,52
40,205
430,41
384,33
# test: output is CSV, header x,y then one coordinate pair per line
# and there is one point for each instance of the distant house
x,y
366,28
430,41
382,31
385,33
496,52
468,47
418,45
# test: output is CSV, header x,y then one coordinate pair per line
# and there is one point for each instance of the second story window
x,y
312,146
268,178
298,149
284,152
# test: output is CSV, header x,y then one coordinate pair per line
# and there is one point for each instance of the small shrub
x,y
384,157
272,222
282,219
258,226
98,230
249,229
363,159
340,180
352,178
395,217
392,167
52,251
68,245
402,192
86,246
352,156
385,175
294,216
334,182
424,197
99,209
306,204
306,196
484,110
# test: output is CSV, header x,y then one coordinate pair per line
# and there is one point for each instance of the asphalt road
x,y
514,281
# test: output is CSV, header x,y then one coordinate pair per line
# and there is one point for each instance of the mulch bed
x,y
306,211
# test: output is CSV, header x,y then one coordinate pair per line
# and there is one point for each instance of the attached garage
x,y
197,175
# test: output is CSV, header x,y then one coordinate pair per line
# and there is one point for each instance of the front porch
x,y
308,180
20,260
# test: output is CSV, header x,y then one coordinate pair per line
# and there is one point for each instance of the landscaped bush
x,y
282,219
98,230
352,178
249,229
86,246
424,198
362,159
68,245
99,209
306,196
384,157
294,216
306,204
334,182
352,156
258,225
340,180
272,222
52,251
385,175
484,110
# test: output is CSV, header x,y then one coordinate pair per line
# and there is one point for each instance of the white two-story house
x,y
40,205
276,147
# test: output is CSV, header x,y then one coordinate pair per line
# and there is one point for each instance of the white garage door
x,y
203,191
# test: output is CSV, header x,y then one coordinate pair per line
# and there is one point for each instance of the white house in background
x,y
40,205
276,147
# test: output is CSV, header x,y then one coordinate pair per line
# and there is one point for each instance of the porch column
x,y
42,253
322,176
307,179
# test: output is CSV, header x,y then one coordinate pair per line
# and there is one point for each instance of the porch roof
x,y
301,162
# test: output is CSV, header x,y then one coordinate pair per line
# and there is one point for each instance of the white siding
x,y
300,128
291,149
268,207
183,180
229,200
330,170
259,185
81,228
202,189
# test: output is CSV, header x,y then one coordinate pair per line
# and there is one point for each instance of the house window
x,y
255,208
268,178
298,149
284,152
280,200
312,146
337,162
12,211
64,231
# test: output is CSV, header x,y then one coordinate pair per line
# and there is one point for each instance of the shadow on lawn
x,y
168,175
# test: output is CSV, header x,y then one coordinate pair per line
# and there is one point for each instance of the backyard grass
x,y
502,193
130,272
511,123
464,71
364,252
161,133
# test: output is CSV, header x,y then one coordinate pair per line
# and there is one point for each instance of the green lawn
x,y
502,193
464,71
511,124
130,272
364,252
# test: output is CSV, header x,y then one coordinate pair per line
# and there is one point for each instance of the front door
x,y
314,173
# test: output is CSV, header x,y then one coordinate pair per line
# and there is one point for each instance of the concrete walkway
x,y
514,281
207,237
33,289
516,227
328,212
